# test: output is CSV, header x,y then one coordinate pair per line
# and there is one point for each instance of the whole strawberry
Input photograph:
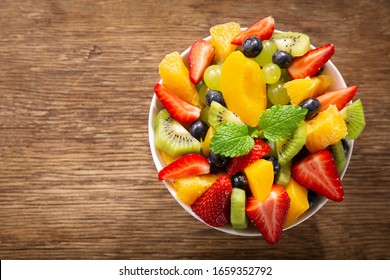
x,y
213,206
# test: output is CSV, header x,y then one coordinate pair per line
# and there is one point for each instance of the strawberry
x,y
200,57
269,216
213,206
318,173
178,108
259,150
186,166
262,29
339,97
309,64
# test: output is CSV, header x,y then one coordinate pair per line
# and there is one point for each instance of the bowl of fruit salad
x,y
252,129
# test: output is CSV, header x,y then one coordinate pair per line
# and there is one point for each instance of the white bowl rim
x,y
251,230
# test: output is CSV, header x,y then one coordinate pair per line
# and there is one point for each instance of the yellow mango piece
x,y
221,36
300,89
190,188
260,176
175,76
168,158
207,140
324,81
327,128
243,88
298,202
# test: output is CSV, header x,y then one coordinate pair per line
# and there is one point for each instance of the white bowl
x,y
156,106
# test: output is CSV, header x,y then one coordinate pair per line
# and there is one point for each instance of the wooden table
x,y
77,180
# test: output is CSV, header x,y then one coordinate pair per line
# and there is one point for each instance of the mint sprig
x,y
280,121
232,140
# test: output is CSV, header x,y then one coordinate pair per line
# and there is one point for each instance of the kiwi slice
x,y
339,156
172,138
238,216
354,118
219,114
291,146
284,175
295,43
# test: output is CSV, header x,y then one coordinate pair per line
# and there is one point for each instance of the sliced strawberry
x,y
259,150
186,166
339,97
269,216
318,173
200,57
262,29
213,206
309,64
178,108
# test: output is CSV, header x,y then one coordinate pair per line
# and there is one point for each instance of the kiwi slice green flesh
x,y
238,216
354,118
172,138
295,43
339,157
219,114
284,175
291,146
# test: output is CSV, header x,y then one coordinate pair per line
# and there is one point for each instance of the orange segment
x,y
324,81
243,88
260,176
221,36
327,128
207,140
298,202
175,76
189,189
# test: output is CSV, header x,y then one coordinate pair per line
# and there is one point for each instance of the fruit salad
x,y
252,131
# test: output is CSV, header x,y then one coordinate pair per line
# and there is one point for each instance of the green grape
x,y
265,57
202,93
285,77
204,114
199,85
277,94
212,77
271,73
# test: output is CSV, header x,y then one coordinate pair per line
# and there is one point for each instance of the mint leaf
x,y
232,140
280,121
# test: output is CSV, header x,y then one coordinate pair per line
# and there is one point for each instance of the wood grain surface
x,y
77,180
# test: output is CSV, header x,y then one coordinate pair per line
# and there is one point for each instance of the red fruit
x,y
309,64
188,165
318,172
178,108
339,97
262,29
200,57
259,150
269,216
213,206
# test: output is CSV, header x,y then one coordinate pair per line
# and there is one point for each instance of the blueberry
x,y
252,47
345,146
215,95
213,168
281,58
313,106
275,164
198,129
239,180
218,160
311,197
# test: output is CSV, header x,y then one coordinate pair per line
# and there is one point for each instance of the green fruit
x,y
290,146
339,157
238,216
295,43
284,175
219,115
172,138
354,118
